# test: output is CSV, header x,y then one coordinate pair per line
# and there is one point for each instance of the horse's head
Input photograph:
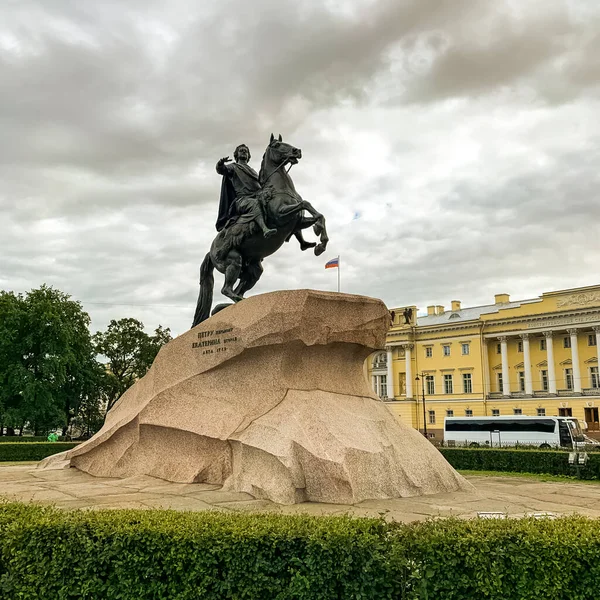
x,y
279,152
277,155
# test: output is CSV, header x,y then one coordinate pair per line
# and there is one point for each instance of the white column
x,y
527,364
550,361
575,360
390,374
409,379
486,368
597,330
505,372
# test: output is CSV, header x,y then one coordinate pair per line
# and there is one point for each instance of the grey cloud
x,y
427,117
559,56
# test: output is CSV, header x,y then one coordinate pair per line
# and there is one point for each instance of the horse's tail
x,y
205,297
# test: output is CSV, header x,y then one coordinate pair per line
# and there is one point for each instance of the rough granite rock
x,y
269,397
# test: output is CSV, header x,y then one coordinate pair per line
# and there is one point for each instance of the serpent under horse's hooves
x,y
238,250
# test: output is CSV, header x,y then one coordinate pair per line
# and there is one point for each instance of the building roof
x,y
467,314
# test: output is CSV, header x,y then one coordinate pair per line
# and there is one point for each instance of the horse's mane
x,y
261,173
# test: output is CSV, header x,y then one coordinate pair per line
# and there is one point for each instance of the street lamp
x,y
424,412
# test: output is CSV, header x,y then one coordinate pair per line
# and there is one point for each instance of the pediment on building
x,y
519,366
567,362
497,368
544,363
592,360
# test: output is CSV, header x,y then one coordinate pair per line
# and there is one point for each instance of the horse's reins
x,y
277,169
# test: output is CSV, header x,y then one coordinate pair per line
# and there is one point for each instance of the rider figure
x,y
239,191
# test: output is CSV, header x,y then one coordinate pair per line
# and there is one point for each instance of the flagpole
x,y
339,267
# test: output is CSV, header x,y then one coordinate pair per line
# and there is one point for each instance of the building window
x,y
500,382
543,344
495,412
592,339
430,384
468,412
428,352
449,412
381,385
446,350
465,349
544,375
498,348
519,346
594,380
432,417
448,387
569,378
517,411
567,342
380,361
541,412
467,383
522,381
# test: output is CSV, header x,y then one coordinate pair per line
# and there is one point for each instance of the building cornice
x,y
547,320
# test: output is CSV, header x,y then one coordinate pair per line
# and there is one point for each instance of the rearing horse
x,y
239,248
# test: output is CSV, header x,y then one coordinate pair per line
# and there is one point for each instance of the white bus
x,y
496,432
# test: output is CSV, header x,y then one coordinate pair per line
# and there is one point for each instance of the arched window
x,y
380,360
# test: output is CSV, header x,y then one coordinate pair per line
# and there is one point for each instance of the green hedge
x,y
513,559
548,462
34,451
9,439
47,553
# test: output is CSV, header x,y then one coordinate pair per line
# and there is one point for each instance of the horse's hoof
x,y
220,307
319,249
232,296
307,245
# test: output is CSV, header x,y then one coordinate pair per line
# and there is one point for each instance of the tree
x,y
130,352
12,317
92,406
47,360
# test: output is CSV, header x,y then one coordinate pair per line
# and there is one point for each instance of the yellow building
x,y
530,357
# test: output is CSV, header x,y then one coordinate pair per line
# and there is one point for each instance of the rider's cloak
x,y
238,180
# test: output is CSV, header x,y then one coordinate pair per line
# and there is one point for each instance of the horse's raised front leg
x,y
304,245
319,228
289,210
304,223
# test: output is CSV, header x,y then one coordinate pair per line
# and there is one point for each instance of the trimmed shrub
x,y
516,559
47,553
547,462
5,439
34,451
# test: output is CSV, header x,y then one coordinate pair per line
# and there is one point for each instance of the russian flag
x,y
333,263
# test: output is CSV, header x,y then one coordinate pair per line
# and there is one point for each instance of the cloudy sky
x,y
453,145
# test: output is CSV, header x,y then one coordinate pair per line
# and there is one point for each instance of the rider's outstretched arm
x,y
222,167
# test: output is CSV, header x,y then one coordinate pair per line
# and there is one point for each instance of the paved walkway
x,y
513,496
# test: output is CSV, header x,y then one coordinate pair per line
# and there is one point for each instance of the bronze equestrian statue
x,y
257,214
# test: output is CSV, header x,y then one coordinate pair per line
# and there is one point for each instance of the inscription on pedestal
x,y
214,340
